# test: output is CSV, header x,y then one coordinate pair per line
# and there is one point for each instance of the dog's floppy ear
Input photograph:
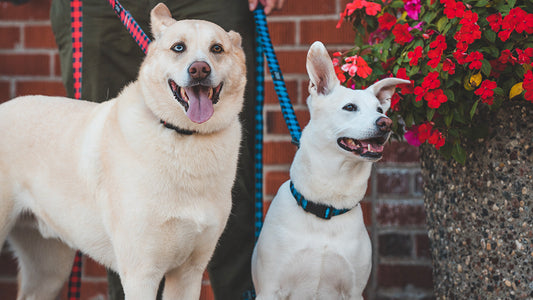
x,y
384,89
322,78
235,38
160,19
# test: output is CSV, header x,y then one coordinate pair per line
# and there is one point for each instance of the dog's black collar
x,y
177,129
320,210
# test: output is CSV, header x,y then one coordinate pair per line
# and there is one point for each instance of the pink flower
x,y
356,65
412,7
411,136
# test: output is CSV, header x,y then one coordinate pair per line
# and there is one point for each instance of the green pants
x,y
111,59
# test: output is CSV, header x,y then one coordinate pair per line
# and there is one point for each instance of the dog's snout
x,y
199,70
384,124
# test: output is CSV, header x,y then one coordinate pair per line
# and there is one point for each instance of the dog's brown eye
x,y
217,49
350,107
380,110
178,47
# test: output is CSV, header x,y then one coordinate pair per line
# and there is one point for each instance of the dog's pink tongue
x,y
200,106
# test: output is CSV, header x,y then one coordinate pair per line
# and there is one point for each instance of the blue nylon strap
x,y
258,156
277,76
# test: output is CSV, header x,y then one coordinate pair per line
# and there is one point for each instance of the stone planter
x,y
480,218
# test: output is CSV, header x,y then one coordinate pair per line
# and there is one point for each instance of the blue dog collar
x,y
320,210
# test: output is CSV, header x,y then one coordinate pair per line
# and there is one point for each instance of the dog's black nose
x,y
199,70
384,124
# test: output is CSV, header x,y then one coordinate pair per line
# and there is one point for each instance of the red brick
x,y
24,64
273,180
93,290
282,33
8,290
33,10
325,32
422,246
10,37
275,123
8,265
400,214
93,269
49,88
292,62
403,275
310,7
367,212
39,37
396,184
272,98
278,152
400,152
57,65
5,93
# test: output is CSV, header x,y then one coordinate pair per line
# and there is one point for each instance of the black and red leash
x,y
76,15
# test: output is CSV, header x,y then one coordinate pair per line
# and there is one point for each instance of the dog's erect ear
x,y
384,89
235,38
160,19
322,78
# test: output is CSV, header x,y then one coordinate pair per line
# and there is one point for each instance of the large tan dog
x,y
141,183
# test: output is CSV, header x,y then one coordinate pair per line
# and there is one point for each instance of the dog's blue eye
x,y
350,107
380,110
217,49
179,47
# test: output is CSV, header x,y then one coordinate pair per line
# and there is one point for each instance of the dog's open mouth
x,y
197,100
371,148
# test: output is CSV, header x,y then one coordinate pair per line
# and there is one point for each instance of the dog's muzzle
x,y
197,100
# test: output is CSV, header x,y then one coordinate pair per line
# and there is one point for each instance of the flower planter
x,y
479,215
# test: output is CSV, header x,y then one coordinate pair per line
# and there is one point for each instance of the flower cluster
x,y
458,55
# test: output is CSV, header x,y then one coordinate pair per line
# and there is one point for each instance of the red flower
x,y
395,102
424,131
415,55
372,8
495,21
435,98
356,65
506,56
401,33
454,9
448,66
486,91
436,139
524,56
431,81
405,89
386,21
475,59
460,56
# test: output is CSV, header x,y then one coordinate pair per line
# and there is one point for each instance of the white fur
x,y
298,255
110,180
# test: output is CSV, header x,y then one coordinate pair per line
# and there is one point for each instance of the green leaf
x,y
430,113
441,23
482,3
448,119
490,35
499,91
511,3
459,154
473,110
486,67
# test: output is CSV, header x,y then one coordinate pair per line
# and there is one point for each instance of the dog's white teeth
x,y
183,94
210,94
369,147
350,142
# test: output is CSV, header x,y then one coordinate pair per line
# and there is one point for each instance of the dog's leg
x,y
45,264
184,283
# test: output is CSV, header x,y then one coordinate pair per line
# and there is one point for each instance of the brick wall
x,y
393,207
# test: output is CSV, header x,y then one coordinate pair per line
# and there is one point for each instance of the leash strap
x,y
258,156
76,15
277,76
131,25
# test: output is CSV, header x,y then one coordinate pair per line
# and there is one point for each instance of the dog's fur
x,y
298,255
111,180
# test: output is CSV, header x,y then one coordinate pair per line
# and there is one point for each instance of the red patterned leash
x,y
131,25
74,284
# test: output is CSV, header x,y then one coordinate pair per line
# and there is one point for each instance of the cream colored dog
x,y
141,183
314,243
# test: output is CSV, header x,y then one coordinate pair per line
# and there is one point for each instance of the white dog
x,y
141,183
314,244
